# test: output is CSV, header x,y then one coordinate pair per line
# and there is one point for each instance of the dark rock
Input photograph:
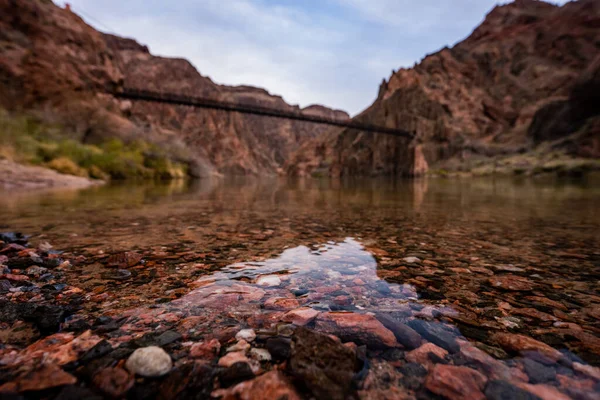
x,y
405,335
413,369
99,350
538,373
14,237
118,275
300,292
324,365
167,338
502,390
280,348
188,381
47,318
73,392
5,286
235,374
392,355
436,334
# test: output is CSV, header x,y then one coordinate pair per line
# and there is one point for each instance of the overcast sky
x,y
331,52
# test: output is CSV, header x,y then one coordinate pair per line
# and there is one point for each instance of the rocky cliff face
x,y
479,98
51,60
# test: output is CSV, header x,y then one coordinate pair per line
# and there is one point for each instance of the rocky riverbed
x,y
405,309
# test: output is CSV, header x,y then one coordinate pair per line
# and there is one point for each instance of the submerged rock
x,y
456,383
358,328
270,386
436,333
149,362
527,347
324,365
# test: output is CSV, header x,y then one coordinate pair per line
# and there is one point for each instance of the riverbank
x,y
18,176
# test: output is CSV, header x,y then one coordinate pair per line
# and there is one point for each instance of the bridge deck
x,y
170,98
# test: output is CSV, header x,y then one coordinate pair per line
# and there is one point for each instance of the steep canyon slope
x,y
473,104
52,62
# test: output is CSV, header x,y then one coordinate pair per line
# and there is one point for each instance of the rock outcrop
x,y
51,60
479,98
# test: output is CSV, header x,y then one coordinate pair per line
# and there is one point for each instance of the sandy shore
x,y
18,176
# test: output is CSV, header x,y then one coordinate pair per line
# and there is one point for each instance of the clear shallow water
x,y
477,267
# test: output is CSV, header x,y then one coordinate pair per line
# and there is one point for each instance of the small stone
x,y
527,347
279,347
270,386
149,362
268,280
411,260
502,390
358,328
127,259
423,355
456,383
281,303
435,333
114,382
404,334
240,346
544,392
5,286
235,374
34,270
538,373
231,358
260,354
206,350
512,283
246,334
300,316
325,366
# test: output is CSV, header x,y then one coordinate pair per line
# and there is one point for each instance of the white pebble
x,y
246,334
268,280
149,362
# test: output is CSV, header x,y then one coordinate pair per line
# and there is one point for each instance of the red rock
x,y
548,302
544,392
511,282
535,314
14,278
300,316
73,350
456,383
270,386
114,382
127,259
206,350
46,377
526,346
421,355
358,328
592,372
281,303
231,358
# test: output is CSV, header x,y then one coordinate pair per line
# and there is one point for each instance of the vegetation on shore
x,y
28,140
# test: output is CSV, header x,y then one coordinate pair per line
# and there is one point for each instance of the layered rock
x,y
51,60
478,98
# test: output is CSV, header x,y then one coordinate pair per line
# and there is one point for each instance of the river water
x,y
491,262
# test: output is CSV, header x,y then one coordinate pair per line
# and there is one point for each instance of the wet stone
x,y
404,334
246,334
435,333
537,372
236,373
114,382
456,383
413,369
502,390
167,337
279,347
324,365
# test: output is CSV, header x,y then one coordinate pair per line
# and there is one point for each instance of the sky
x,y
330,52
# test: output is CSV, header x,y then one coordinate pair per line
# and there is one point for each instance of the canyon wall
x,y
478,99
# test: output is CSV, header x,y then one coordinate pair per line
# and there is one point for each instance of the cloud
x,y
331,52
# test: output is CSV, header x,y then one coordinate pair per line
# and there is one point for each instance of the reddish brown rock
x,y
114,382
526,346
206,350
281,303
270,386
456,383
544,392
46,377
512,283
300,316
358,328
127,259
423,355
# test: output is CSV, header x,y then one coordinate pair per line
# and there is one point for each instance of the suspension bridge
x,y
201,102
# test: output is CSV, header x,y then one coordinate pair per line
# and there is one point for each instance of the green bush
x,y
23,139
